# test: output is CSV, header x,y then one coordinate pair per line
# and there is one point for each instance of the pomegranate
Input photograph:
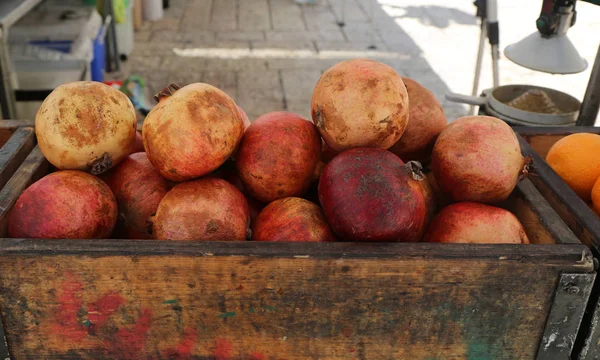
x,y
477,158
292,219
138,188
203,209
228,172
469,222
438,195
244,117
246,126
191,131
86,125
369,194
67,204
327,153
360,103
426,120
278,156
139,143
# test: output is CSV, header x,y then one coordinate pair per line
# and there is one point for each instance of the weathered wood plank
x,y
32,168
14,151
569,304
542,224
233,307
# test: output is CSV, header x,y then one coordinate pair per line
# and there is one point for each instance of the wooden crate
x,y
17,139
581,219
134,299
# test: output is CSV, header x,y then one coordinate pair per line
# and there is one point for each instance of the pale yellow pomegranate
x,y
86,126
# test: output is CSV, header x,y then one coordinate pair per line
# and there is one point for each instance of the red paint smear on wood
x,y
256,356
184,349
129,343
69,304
101,309
222,350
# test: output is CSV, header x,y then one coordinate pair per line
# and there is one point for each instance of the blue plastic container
x,y
98,65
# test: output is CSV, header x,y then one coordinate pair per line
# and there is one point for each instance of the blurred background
x,y
266,54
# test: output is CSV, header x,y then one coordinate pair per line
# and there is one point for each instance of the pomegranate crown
x,y
167,91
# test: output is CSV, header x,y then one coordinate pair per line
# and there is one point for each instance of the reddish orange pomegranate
x,y
360,103
278,156
138,188
426,120
203,209
292,219
191,131
477,158
369,194
469,222
66,204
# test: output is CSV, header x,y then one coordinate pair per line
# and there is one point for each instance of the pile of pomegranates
x,y
201,170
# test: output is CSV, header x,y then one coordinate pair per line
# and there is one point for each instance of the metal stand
x,y
342,21
591,101
487,10
372,22
112,51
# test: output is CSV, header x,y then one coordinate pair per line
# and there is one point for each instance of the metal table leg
x,y
7,94
591,101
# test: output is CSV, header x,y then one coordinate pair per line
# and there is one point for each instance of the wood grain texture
x,y
33,168
14,151
541,139
541,223
232,306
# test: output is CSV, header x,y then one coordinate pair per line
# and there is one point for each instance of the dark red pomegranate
x,y
469,222
203,209
278,156
66,204
139,188
327,153
369,194
292,219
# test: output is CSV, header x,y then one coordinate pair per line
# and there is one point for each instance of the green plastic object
x,y
119,9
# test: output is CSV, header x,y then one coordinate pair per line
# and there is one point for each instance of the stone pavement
x,y
268,54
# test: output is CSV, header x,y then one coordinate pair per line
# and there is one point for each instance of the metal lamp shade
x,y
555,55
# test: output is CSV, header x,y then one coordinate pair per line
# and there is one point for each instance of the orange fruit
x,y
596,196
576,159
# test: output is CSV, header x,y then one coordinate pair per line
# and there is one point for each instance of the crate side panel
x,y
237,307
